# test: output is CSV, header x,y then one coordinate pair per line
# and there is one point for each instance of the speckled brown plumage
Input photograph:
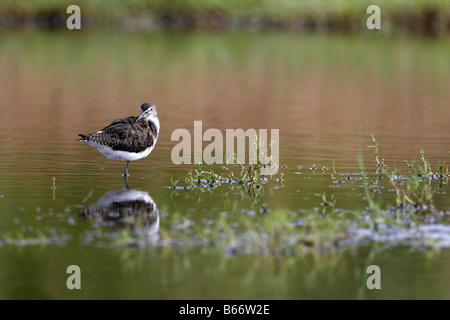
x,y
125,134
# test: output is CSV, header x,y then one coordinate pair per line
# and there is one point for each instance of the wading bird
x,y
129,138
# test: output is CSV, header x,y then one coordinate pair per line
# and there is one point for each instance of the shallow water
x,y
325,94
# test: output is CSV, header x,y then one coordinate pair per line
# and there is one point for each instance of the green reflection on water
x,y
202,274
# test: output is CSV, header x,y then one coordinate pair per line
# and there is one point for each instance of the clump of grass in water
x,y
246,177
250,173
281,232
249,176
376,147
414,189
199,176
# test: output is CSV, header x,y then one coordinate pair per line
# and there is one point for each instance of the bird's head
x,y
148,112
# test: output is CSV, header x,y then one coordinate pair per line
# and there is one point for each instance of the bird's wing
x,y
128,121
113,132
123,134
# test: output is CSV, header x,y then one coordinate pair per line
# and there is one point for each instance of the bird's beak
x,y
143,114
140,117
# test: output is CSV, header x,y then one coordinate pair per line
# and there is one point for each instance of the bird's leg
x,y
125,178
125,173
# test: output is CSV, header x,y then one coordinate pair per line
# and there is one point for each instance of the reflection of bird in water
x,y
127,208
129,138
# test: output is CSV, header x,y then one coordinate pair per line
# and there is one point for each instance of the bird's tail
x,y
84,137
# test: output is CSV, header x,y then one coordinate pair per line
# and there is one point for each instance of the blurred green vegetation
x,y
414,15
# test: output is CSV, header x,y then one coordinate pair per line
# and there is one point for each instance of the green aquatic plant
x,y
199,176
376,146
328,203
442,175
420,170
414,188
248,175
251,172
249,227
54,188
442,170
369,194
174,182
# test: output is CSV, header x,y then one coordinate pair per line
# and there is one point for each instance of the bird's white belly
x,y
121,155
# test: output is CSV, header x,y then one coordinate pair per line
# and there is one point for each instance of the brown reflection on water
x,y
321,92
126,209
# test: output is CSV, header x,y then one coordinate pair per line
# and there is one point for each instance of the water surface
x,y
326,95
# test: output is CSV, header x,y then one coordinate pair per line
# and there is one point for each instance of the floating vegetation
x,y
412,218
414,190
237,175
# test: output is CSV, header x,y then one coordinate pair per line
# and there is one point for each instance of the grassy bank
x,y
429,16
